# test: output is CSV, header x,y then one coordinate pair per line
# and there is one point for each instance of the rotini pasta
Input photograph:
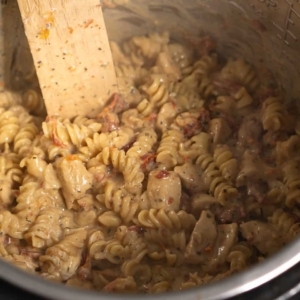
x,y
242,73
189,174
239,256
218,185
272,114
120,201
167,152
9,126
155,218
285,222
226,162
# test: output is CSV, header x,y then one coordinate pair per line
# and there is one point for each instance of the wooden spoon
x,y
71,53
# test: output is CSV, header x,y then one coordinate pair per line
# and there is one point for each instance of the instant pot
x,y
264,32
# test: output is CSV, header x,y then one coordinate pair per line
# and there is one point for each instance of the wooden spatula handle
x,y
70,48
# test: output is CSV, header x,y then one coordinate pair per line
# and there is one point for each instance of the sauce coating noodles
x,y
190,174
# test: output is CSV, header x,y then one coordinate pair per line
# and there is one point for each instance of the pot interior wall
x,y
264,32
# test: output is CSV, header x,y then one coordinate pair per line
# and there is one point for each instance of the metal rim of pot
x,y
234,285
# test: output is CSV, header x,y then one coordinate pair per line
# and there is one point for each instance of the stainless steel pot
x,y
263,31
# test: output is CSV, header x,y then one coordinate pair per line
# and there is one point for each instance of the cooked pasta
x,y
189,174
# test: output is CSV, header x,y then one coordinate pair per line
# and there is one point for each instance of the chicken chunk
x,y
166,116
219,130
210,243
164,61
75,179
250,133
226,238
164,190
191,178
202,239
265,237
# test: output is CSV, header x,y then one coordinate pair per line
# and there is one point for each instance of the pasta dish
x,y
188,175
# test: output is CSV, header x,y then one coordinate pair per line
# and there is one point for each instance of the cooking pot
x,y
264,32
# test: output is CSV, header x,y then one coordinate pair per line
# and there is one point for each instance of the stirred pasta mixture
x,y
188,175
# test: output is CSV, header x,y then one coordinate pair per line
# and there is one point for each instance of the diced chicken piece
x,y
250,132
51,180
202,239
166,116
219,130
191,178
164,61
74,177
256,175
164,190
181,55
210,244
265,237
254,169
226,238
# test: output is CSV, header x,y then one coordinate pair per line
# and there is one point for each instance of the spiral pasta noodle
x,y
155,218
127,165
292,181
24,138
226,163
32,100
218,186
170,238
67,133
272,114
167,152
143,144
285,222
239,256
157,92
242,72
9,126
9,98
120,202
152,45
118,138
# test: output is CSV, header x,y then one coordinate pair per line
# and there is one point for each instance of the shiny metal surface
x,y
265,32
